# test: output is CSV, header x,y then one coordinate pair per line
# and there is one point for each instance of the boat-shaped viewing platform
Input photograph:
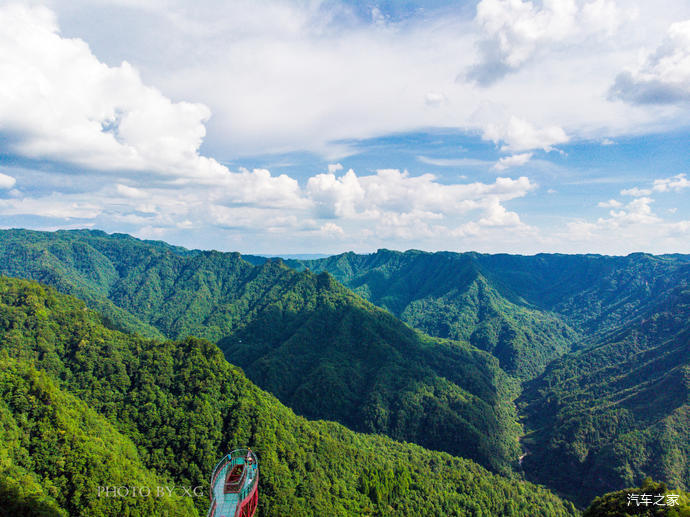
x,y
234,485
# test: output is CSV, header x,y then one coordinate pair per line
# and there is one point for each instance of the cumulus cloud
x,y
637,211
390,190
62,104
519,135
514,30
515,160
664,77
66,105
676,184
332,229
497,215
259,187
673,184
130,192
278,76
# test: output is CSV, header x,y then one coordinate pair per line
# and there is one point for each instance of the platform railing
x,y
236,457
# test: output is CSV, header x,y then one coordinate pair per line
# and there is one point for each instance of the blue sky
x,y
324,126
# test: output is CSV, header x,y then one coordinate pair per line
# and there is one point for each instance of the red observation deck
x,y
234,485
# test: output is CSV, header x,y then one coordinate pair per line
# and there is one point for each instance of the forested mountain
x,y
618,411
83,405
321,349
329,354
601,418
526,310
450,295
648,500
600,343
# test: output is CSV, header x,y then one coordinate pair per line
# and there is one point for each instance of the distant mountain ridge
x,y
450,295
590,293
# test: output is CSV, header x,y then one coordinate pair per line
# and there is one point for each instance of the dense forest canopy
x,y
84,405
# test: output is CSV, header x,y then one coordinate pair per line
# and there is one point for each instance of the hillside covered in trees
x,y
609,413
450,295
594,349
83,405
650,499
619,411
324,351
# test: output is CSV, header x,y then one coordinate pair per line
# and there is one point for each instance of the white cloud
x,y
636,192
7,182
519,135
497,215
435,99
515,30
390,190
336,197
664,77
495,218
675,184
259,187
69,106
516,160
637,211
680,228
633,227
282,77
294,76
332,230
389,204
611,203
54,206
59,102
130,192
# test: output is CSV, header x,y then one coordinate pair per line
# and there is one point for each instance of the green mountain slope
x,y
650,499
183,406
66,261
601,417
329,354
322,350
449,295
56,452
619,411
